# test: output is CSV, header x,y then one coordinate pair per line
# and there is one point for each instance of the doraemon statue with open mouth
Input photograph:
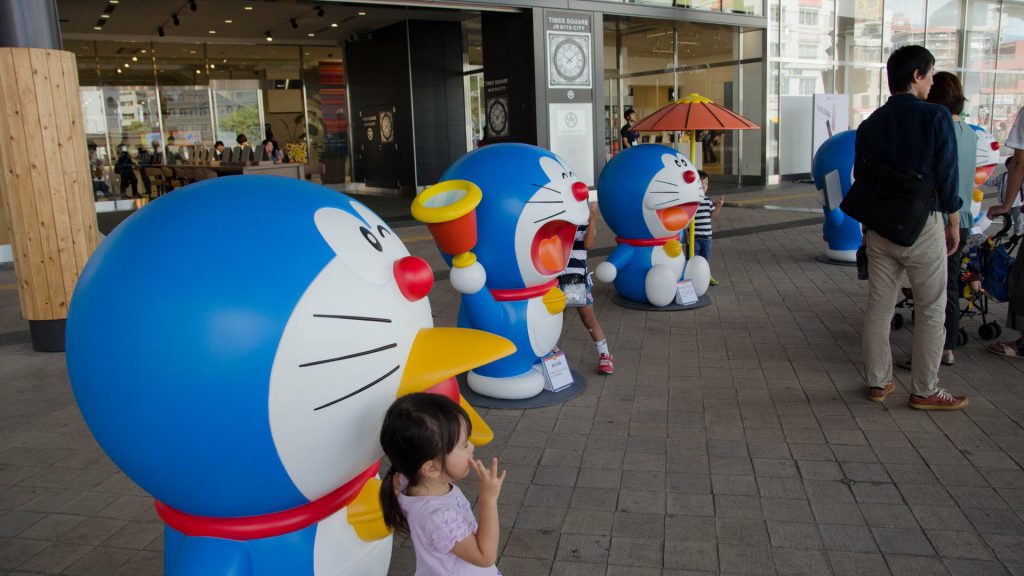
x,y
527,204
270,325
647,194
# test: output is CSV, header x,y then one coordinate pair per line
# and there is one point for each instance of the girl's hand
x,y
720,202
490,479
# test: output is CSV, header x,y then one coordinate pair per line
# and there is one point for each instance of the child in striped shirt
x,y
706,212
577,276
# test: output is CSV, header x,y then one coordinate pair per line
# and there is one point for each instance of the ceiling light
x,y
135,58
143,51
213,66
334,24
270,37
362,13
193,6
225,61
118,70
191,51
228,21
311,34
101,28
176,20
307,53
199,71
212,31
320,11
248,8
114,1
104,15
127,65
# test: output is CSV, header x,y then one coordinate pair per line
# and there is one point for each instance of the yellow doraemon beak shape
x,y
438,354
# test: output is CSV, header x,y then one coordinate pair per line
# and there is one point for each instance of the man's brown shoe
x,y
941,400
878,394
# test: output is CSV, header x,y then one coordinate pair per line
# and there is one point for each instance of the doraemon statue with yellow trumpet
x,y
505,216
281,319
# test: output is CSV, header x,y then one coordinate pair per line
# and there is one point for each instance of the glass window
x,y
805,36
903,24
944,34
237,110
1011,38
324,77
181,64
863,85
982,34
859,31
188,124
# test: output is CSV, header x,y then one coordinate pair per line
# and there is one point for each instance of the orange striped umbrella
x,y
690,114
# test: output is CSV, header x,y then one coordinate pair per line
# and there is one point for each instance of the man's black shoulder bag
x,y
893,203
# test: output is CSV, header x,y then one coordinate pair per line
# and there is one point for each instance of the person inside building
x,y
630,137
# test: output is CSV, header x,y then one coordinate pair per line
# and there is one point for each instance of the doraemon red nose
x,y
414,277
689,176
580,191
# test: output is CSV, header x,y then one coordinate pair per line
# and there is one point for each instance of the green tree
x,y
243,121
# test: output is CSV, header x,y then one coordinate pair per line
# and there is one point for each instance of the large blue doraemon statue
x,y
647,194
279,321
528,204
833,164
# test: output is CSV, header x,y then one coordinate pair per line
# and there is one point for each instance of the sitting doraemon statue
x,y
527,204
841,231
279,321
648,194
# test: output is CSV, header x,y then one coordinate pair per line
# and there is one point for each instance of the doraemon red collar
x,y
266,525
523,293
646,241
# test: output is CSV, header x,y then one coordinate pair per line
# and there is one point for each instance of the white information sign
x,y
685,293
570,132
557,374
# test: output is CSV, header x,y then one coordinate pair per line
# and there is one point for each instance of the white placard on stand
x,y
685,293
557,374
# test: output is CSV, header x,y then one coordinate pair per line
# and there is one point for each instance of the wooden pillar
x,y
45,185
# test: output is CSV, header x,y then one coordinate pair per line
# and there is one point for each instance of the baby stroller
x,y
984,275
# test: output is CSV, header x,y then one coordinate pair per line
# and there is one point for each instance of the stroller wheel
x,y
999,329
988,331
964,338
897,321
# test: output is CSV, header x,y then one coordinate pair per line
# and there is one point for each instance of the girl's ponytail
x,y
393,516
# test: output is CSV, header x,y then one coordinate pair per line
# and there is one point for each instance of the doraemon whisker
x,y
357,354
664,192
360,318
544,202
548,217
667,202
669,183
347,396
546,187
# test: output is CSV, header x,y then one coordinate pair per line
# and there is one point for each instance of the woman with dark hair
x,y
947,92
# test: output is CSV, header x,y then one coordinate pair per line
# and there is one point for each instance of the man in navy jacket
x,y
908,133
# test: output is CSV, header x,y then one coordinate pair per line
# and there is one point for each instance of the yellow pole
x,y
693,223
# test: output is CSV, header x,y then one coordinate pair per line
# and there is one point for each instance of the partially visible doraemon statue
x,y
648,194
832,167
523,205
280,320
987,158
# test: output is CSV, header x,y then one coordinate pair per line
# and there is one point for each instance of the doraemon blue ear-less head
x,y
234,345
648,191
532,204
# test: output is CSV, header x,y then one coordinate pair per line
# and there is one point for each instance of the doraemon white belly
x,y
338,551
543,327
676,263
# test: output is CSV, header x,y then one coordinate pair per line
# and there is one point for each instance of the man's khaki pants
x,y
925,264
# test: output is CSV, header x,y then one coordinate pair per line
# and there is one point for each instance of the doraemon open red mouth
x,y
675,218
551,247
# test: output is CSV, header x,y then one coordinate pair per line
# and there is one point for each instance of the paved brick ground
x,y
733,439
